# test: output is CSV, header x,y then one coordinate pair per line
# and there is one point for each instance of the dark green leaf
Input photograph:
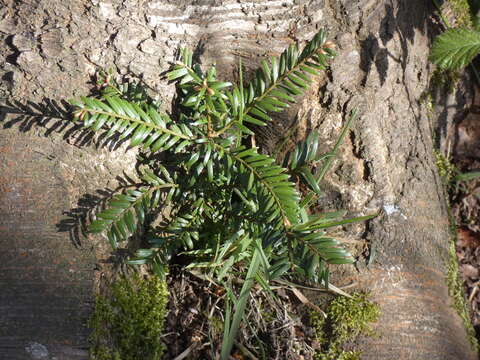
x,y
266,70
253,120
261,114
297,81
130,221
159,143
175,74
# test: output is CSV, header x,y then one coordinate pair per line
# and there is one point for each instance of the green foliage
x,y
445,79
473,175
230,208
450,175
127,325
455,48
449,172
455,284
460,44
457,292
446,169
346,319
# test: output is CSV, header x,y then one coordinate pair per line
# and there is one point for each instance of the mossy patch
x,y
455,287
346,319
445,80
446,169
128,324
461,11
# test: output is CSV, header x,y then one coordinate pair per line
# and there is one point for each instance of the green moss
x,y
347,318
426,99
127,325
461,10
446,169
456,291
447,172
445,80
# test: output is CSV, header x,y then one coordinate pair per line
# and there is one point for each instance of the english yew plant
x,y
226,207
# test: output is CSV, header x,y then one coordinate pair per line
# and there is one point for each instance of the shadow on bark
x,y
77,219
55,117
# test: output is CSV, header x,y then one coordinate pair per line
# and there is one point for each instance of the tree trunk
x,y
52,48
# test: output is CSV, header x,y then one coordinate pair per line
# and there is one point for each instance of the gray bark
x,y
52,48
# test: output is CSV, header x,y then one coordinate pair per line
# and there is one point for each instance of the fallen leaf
x,y
467,238
469,271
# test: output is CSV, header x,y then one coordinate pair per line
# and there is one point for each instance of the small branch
x,y
245,351
133,120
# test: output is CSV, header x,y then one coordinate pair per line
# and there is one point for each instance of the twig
x,y
245,351
304,300
331,287
474,292
188,350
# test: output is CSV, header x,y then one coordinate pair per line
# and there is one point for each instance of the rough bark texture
x,y
51,48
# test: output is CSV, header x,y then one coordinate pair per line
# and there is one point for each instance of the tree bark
x,y
52,48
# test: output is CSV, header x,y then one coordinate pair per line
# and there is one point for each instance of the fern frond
x,y
313,250
185,227
156,132
305,153
275,84
310,249
327,220
301,159
455,48
326,248
124,212
275,194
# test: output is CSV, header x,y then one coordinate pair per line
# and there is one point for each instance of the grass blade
x,y
240,307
